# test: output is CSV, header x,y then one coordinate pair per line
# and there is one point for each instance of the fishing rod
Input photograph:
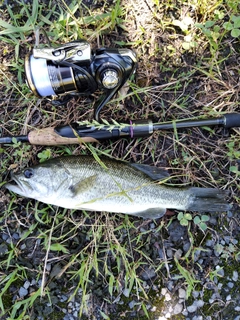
x,y
75,69
76,133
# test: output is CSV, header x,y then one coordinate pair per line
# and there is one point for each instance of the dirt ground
x,y
170,84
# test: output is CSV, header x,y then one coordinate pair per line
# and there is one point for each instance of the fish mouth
x,y
17,186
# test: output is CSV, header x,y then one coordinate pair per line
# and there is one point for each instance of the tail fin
x,y
208,200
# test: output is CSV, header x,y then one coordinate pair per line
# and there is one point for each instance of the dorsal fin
x,y
154,173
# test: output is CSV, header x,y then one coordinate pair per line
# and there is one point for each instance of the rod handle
x,y
232,120
48,137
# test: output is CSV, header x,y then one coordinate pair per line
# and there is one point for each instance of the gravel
x,y
214,268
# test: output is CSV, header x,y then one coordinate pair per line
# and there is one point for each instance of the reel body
x,y
74,69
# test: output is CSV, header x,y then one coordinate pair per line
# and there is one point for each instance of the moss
x,y
227,310
7,300
56,315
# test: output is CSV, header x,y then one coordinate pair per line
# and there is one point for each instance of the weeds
x,y
187,68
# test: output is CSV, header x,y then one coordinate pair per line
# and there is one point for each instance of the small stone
x,y
192,308
56,270
153,309
170,285
186,246
163,291
169,253
220,271
195,294
185,313
181,293
178,254
229,214
126,292
227,239
26,284
214,296
33,282
77,305
48,267
152,225
235,276
132,304
213,220
5,236
148,274
168,315
3,249
199,303
228,297
168,297
177,308
220,286
22,292
154,287
15,236
23,246
63,298
237,308
210,286
210,243
230,285
197,254
161,255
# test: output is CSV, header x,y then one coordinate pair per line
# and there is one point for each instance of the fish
x,y
109,185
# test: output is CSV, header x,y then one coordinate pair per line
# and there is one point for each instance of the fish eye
x,y
28,173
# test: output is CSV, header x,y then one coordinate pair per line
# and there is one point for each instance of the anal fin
x,y
151,213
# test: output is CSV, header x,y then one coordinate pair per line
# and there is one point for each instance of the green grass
x,y
187,68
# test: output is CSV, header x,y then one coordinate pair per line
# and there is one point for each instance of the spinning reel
x,y
74,69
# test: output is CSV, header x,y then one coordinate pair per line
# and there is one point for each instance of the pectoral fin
x,y
154,173
151,213
83,185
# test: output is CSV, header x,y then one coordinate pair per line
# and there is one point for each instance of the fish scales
x,y
81,182
122,184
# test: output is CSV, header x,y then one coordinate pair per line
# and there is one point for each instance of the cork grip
x,y
49,137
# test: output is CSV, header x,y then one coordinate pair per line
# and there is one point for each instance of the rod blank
x,y
75,134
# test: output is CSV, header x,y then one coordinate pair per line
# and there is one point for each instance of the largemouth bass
x,y
80,182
